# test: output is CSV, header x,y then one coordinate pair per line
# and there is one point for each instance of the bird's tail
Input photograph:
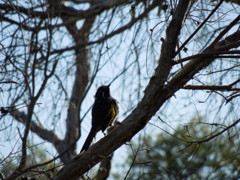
x,y
89,139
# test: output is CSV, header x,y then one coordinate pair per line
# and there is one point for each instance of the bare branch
x,y
216,54
44,133
211,87
55,51
155,96
140,115
199,27
215,135
113,33
60,9
80,83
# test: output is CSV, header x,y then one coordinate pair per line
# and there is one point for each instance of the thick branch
x,y
83,68
80,83
104,169
59,9
211,87
154,97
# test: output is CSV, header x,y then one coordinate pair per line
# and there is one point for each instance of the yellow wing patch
x,y
111,113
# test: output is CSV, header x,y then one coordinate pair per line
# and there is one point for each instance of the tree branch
x,y
215,135
199,27
81,81
211,87
60,9
113,33
42,132
217,54
155,96
104,169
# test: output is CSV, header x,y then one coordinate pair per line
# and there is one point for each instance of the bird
x,y
104,113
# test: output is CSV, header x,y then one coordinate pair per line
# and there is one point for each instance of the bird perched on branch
x,y
104,112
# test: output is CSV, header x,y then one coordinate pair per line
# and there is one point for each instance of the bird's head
x,y
103,92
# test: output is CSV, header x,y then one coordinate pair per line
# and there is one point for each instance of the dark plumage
x,y
104,112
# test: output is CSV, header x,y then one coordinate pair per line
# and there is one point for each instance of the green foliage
x,y
175,157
